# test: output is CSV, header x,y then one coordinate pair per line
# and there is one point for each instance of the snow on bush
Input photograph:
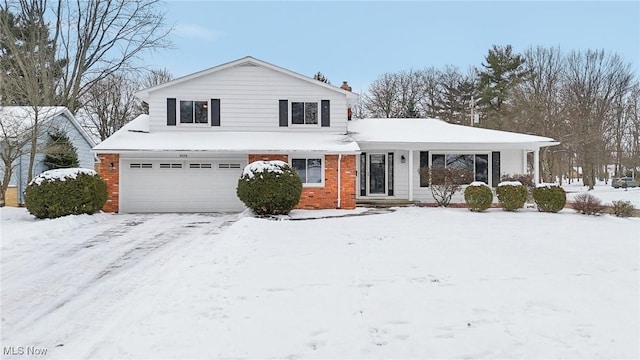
x,y
258,167
269,187
549,197
61,175
478,196
512,195
62,192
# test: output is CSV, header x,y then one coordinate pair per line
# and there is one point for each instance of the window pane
x,y
314,171
311,113
202,113
297,113
301,168
437,160
482,168
460,161
186,112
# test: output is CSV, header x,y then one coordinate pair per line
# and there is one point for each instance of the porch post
x,y
410,160
536,166
525,170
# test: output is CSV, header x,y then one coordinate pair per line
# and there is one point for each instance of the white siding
x,y
249,98
512,162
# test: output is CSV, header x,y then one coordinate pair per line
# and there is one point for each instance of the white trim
x,y
339,180
193,124
536,167
304,126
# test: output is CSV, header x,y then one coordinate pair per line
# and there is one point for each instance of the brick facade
x,y
109,170
326,197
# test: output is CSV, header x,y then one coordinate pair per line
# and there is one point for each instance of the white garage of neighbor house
x,y
202,129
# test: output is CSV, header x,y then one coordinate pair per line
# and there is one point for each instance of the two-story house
x,y
202,129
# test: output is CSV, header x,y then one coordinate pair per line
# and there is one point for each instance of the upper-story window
x,y
304,113
194,112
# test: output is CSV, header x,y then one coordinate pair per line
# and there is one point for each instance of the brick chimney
x,y
345,86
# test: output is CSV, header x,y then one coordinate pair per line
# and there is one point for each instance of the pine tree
x,y
320,77
60,152
503,70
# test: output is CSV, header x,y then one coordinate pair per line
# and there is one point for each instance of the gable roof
x,y
135,137
439,134
144,94
23,116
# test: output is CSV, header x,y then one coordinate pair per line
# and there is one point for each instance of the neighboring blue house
x,y
51,118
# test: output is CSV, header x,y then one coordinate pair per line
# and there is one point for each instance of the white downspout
x,y
339,180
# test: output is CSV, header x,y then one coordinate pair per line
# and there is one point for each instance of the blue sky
x,y
361,40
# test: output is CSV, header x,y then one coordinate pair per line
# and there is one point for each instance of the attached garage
x,y
198,185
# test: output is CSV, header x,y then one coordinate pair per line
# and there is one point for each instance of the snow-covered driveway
x,y
99,273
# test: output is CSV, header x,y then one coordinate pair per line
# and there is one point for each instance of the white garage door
x,y
180,186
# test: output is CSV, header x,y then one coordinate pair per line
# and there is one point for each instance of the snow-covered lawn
x,y
605,192
414,283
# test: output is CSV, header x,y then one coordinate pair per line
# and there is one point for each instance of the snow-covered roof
x,y
23,117
135,136
144,94
438,134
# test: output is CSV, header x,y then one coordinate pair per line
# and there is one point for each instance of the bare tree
x,y
152,78
103,37
28,65
110,104
594,80
382,95
13,138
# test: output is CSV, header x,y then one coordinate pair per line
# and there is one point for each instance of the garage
x,y
202,185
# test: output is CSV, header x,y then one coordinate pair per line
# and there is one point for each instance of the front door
x,y
377,174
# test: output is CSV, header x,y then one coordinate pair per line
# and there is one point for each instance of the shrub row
x,y
512,195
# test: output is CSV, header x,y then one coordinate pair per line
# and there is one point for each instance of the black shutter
x,y
325,120
215,112
495,168
424,163
171,112
363,174
284,113
390,168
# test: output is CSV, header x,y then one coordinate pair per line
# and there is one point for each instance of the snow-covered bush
x,y
587,204
62,192
512,195
621,208
549,197
269,187
478,196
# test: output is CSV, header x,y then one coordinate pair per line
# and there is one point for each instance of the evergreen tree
x,y
60,152
502,71
320,77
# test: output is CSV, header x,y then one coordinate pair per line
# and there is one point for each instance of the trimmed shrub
x,y
549,198
587,204
478,196
621,208
512,195
269,187
63,192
